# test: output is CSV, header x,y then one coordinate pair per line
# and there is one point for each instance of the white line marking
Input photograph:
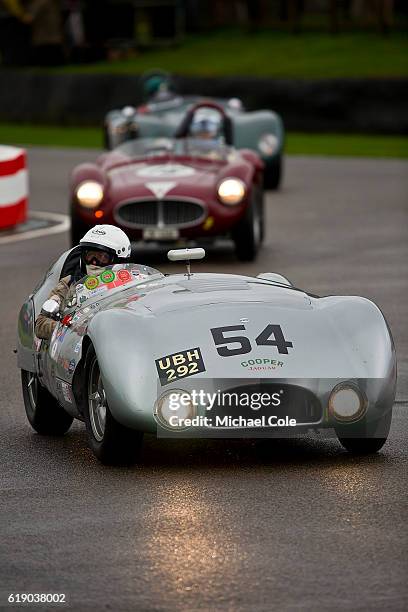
x,y
63,225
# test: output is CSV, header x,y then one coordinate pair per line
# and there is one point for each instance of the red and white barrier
x,y
13,186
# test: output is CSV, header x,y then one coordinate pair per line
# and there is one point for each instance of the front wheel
x,y
365,438
111,442
248,234
106,137
273,173
43,411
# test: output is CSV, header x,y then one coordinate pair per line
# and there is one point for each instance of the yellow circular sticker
x,y
91,283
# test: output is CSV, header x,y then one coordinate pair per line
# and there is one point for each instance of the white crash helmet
x,y
235,104
206,123
107,238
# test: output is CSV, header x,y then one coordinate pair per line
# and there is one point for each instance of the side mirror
x,y
51,308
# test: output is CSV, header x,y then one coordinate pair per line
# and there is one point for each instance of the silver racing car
x,y
138,351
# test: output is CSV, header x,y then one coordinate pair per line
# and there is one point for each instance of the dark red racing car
x,y
173,191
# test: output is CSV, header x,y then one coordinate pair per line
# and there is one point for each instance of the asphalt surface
x,y
220,524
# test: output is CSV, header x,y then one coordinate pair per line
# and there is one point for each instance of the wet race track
x,y
227,524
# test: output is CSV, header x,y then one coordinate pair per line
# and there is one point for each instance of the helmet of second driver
x,y
103,245
206,124
157,87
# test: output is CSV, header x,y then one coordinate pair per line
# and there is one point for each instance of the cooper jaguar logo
x,y
260,364
100,232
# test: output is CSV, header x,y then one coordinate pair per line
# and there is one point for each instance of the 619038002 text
x,y
33,598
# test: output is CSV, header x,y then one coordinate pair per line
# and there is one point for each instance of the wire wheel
x,y
97,402
257,225
111,442
32,388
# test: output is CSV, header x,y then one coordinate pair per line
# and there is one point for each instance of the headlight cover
x,y
231,191
268,144
89,194
347,402
172,408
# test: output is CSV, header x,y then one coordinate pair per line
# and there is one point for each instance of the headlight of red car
x,y
89,194
231,191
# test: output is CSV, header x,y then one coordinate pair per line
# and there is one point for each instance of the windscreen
x,y
194,147
144,147
119,276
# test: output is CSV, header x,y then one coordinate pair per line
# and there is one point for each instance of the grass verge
x,y
354,145
271,54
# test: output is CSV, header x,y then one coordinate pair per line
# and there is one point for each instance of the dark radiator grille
x,y
177,213
165,213
139,213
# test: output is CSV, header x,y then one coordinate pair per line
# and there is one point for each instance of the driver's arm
x,y
44,325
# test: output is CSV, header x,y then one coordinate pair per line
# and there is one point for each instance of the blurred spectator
x,y
14,33
86,29
46,31
74,30
74,24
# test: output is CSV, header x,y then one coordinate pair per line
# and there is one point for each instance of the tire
x,y
248,234
43,411
273,174
78,229
111,442
106,137
261,205
365,438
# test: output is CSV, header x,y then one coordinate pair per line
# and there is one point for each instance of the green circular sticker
x,y
91,283
108,276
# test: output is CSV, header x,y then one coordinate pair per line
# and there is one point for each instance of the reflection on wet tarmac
x,y
191,543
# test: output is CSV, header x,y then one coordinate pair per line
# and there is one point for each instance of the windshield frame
x,y
197,148
104,289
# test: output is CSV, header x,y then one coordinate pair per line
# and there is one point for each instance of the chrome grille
x,y
163,213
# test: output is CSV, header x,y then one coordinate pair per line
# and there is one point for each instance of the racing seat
x,y
71,265
227,128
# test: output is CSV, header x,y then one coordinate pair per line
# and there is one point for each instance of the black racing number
x,y
272,335
279,339
219,338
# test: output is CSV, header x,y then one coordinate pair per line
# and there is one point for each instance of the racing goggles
x,y
98,258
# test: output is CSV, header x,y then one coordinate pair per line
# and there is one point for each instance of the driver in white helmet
x,y
206,132
102,246
206,125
